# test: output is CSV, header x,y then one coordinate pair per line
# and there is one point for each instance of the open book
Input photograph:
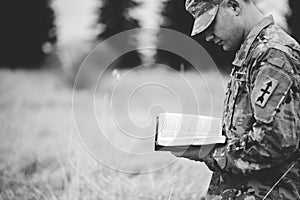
x,y
181,130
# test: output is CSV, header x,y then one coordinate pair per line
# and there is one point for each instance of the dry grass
x,y
42,156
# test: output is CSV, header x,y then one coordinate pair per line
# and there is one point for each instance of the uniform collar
x,y
241,55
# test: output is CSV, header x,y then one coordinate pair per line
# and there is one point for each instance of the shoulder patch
x,y
270,88
266,90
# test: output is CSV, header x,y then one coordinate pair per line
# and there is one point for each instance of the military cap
x,y
204,12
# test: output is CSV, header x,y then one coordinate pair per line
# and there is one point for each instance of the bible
x,y
178,131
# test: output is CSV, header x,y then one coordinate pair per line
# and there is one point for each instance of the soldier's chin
x,y
226,47
230,47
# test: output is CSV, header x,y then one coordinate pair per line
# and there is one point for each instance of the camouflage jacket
x,y
261,120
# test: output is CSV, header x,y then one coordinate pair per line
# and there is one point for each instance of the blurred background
x,y
36,33
47,153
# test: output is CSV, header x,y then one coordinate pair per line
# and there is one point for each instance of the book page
x,y
180,129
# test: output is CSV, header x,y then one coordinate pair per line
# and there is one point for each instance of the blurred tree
x,y
114,15
294,19
177,19
27,32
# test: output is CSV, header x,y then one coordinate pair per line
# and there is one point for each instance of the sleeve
x,y
274,136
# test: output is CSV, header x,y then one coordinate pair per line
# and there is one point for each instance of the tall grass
x,y
42,156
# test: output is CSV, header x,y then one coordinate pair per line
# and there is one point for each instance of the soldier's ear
x,y
235,6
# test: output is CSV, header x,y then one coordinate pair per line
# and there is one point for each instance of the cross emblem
x,y
266,91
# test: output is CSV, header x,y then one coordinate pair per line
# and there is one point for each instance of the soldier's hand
x,y
194,153
191,154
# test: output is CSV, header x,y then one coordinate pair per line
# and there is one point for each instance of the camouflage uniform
x,y
261,120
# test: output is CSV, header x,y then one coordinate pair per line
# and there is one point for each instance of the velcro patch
x,y
266,91
278,62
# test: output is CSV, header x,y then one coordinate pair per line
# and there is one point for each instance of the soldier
x,y
261,119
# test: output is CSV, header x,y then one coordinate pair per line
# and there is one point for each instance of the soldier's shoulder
x,y
275,34
277,48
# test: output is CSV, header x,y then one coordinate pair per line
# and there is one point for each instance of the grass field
x,y
53,149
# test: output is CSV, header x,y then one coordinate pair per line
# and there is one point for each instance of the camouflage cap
x,y
204,12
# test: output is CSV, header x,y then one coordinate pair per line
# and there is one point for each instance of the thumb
x,y
177,153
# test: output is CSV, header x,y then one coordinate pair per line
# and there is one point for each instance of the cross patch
x,y
266,91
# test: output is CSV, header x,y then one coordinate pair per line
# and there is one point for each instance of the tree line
x,y
28,31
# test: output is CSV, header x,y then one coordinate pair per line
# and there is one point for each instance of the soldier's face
x,y
225,31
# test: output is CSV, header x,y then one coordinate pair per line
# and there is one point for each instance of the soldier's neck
x,y
252,17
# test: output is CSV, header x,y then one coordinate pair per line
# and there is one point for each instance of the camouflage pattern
x,y
203,11
261,120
